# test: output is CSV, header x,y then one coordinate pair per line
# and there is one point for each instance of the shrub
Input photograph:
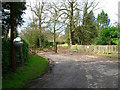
x,y
6,57
109,35
6,62
46,44
25,50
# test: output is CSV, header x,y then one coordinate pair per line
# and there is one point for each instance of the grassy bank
x,y
108,55
35,66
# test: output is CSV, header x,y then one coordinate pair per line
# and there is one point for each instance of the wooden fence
x,y
96,48
87,48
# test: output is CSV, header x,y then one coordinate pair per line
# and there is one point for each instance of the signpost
x,y
18,44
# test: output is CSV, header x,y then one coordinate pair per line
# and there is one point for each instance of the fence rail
x,y
96,48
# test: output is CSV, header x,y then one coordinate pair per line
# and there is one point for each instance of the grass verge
x,y
35,67
108,55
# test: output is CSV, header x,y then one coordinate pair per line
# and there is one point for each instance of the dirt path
x,y
78,70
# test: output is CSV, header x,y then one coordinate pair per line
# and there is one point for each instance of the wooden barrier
x,y
96,48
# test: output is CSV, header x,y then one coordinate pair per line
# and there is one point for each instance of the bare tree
x,y
39,10
70,8
88,7
55,19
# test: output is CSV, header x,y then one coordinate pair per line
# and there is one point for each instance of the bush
x,y
6,55
68,41
25,50
108,36
46,44
6,62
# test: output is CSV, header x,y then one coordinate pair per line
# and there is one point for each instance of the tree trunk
x,y
54,40
40,38
6,36
71,24
12,37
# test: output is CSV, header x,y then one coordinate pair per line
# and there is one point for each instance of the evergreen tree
x,y
103,19
88,27
19,10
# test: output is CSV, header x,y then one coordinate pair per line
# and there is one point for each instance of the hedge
x,y
6,55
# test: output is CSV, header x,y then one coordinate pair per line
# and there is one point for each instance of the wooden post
x,y
55,47
13,59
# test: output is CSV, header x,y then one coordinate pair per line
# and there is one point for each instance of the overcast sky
x,y
109,6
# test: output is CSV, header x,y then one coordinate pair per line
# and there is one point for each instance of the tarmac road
x,y
76,70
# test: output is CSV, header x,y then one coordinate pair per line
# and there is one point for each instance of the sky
x,y
109,6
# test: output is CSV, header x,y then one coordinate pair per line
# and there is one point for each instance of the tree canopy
x,y
75,19
108,36
103,19
19,10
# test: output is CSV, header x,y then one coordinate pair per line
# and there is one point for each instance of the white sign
x,y
87,46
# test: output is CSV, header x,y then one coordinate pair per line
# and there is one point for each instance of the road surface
x,y
79,70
